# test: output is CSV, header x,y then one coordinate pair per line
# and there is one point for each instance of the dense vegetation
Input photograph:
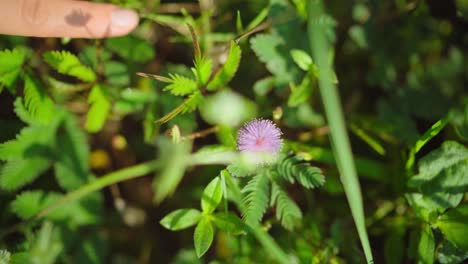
x,y
109,146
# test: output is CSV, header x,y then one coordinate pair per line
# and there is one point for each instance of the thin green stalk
x,y
269,243
321,49
104,181
261,235
433,131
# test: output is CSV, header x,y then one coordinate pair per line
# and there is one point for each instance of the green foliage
x,y
72,164
426,246
131,48
454,226
17,173
203,68
287,210
47,246
36,101
29,203
293,168
181,219
181,85
175,160
22,113
66,63
449,254
11,62
256,197
26,156
302,59
99,110
229,69
301,93
406,107
229,223
38,146
269,50
203,236
442,175
116,73
212,196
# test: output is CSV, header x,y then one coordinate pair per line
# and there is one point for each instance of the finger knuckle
x,y
34,12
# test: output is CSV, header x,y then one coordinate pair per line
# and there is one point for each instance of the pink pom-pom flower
x,y
260,136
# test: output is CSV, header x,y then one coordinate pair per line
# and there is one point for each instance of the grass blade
x,y
321,48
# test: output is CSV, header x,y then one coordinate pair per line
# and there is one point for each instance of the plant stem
x,y
321,49
261,235
106,180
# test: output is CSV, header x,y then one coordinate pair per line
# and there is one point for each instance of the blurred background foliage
x,y
85,109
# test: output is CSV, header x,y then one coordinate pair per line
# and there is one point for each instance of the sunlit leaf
x,y
181,219
203,236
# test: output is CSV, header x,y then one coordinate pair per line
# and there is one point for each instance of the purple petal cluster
x,y
260,136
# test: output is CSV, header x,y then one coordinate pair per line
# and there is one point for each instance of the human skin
x,y
65,18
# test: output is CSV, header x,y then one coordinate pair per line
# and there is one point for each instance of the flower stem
x,y
104,181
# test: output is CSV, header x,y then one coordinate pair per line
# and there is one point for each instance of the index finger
x,y
65,18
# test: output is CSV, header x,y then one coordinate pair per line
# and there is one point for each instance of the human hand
x,y
64,18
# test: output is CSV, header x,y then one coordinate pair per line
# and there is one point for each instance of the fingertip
x,y
123,21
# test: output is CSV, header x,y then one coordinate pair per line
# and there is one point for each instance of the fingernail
x,y
123,21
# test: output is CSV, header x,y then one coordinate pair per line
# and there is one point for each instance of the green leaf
x,y
257,192
20,258
72,166
426,246
89,56
443,174
181,219
271,50
302,59
203,69
287,210
181,85
175,159
454,226
131,48
99,110
116,73
294,168
37,102
29,203
424,208
428,135
203,236
22,113
229,69
239,26
189,105
133,100
212,196
17,173
47,245
11,62
31,142
66,63
449,254
229,222
300,94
